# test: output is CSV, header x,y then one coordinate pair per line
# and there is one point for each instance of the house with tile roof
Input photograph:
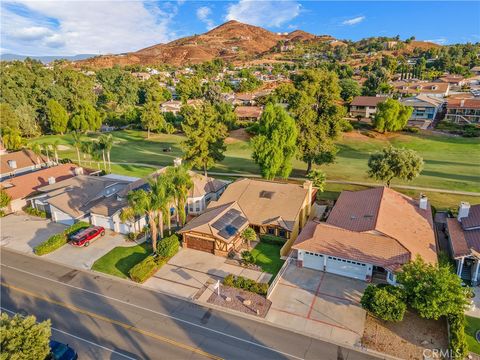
x,y
269,207
369,233
412,88
365,106
463,111
20,162
464,240
425,109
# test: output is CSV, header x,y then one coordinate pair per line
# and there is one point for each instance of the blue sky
x,y
114,26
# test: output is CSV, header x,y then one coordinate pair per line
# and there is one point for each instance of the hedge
x,y
272,239
457,341
35,212
144,269
56,241
246,284
386,302
167,247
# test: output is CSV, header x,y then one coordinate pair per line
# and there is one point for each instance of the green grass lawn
x,y
267,256
121,259
473,324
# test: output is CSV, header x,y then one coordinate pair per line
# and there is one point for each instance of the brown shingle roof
x,y
457,238
367,100
463,104
473,218
248,111
373,249
421,87
390,213
24,158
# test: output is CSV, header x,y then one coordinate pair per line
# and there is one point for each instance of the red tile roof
x,y
463,104
24,158
367,100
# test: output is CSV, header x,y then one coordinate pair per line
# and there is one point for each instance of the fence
x,y
279,275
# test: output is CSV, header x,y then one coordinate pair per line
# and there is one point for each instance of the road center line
x,y
158,313
80,338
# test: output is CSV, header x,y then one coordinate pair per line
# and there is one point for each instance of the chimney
x,y
51,180
463,210
462,103
177,162
423,203
78,171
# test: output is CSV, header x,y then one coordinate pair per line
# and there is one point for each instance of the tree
x,y
145,203
249,235
152,119
161,191
86,118
37,150
77,143
226,114
275,145
106,140
189,87
391,115
386,302
318,178
55,145
9,119
349,89
319,117
393,162
24,338
28,123
12,139
182,183
432,290
5,199
205,136
57,116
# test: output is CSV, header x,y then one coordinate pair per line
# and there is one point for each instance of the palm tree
x,y
46,148
107,141
182,183
161,191
37,150
249,235
128,215
55,145
144,201
77,142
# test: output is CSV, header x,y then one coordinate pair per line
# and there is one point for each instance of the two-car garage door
x,y
335,265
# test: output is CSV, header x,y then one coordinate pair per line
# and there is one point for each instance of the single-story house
x,y
453,80
20,162
425,108
174,106
437,89
369,234
464,239
463,111
365,106
275,208
248,113
19,188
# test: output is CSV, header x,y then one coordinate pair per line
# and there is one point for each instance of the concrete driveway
x,y
190,270
319,303
23,232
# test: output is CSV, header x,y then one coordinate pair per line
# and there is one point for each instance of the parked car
x,y
59,351
84,237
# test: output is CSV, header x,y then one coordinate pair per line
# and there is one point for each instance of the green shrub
x,y
144,269
387,302
51,244
247,257
272,239
458,341
412,129
35,212
76,227
167,247
240,282
229,280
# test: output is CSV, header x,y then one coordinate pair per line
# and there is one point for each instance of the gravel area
x,y
237,298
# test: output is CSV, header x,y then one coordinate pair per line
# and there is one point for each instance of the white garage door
x,y
313,261
107,223
348,268
63,218
124,228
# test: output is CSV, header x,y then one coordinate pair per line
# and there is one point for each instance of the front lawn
x,y
267,256
121,259
471,327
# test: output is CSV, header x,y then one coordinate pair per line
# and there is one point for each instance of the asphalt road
x,y
105,318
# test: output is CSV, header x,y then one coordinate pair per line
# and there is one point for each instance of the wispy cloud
x,y
354,21
439,41
263,13
203,14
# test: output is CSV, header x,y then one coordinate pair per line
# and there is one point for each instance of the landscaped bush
x,y
35,212
246,284
272,239
144,269
58,240
458,341
412,129
247,257
167,247
386,302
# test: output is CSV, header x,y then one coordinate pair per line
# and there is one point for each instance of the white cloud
x,y
439,41
203,14
354,21
75,27
263,13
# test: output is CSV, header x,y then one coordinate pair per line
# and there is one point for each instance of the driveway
x,y
319,303
190,270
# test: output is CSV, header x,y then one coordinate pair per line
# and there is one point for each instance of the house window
x,y
271,231
282,233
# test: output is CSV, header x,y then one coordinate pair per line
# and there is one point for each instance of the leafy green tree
x,y
152,91
189,87
28,123
5,199
275,145
205,137
57,117
433,291
182,183
24,338
118,87
391,115
86,118
12,139
248,81
152,119
8,117
385,302
393,163
226,114
249,235
318,178
349,89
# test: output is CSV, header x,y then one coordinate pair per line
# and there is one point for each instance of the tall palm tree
x,y
162,195
77,142
107,142
46,148
55,145
182,183
37,150
128,215
144,201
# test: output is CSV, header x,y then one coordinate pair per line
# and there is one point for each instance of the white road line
x,y
158,313
81,339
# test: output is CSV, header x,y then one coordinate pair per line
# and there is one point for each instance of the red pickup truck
x,y
84,237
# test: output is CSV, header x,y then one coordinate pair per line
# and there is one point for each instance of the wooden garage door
x,y
200,244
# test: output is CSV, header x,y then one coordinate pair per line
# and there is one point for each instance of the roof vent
x,y
51,180
12,164
78,171
423,203
266,194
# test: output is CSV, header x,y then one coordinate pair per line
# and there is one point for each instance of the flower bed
x,y
240,282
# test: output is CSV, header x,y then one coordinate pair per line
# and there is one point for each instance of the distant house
x,y
244,99
174,106
19,188
143,76
464,239
437,89
248,113
475,70
369,234
425,109
365,106
20,162
453,80
279,209
463,111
